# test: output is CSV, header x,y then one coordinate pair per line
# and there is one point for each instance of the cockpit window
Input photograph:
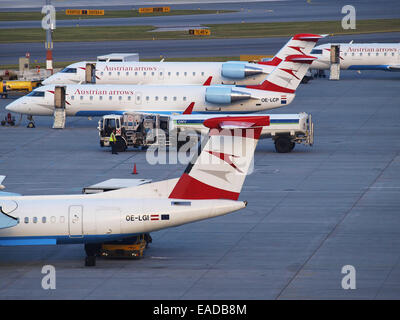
x,y
36,94
68,70
316,51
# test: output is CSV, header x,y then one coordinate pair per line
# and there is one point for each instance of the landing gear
x,y
91,249
31,123
284,144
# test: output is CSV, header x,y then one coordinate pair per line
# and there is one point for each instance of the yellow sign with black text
x,y
84,12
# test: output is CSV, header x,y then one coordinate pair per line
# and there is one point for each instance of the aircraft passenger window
x,y
174,98
161,73
118,73
392,53
129,98
91,98
43,219
360,54
202,73
109,73
156,98
135,74
110,98
62,219
147,98
377,54
72,97
120,98
81,97
194,74
165,98
26,220
184,98
385,54
345,54
53,219
169,74
177,73
101,97
352,54
34,219
185,73
101,73
127,73
369,53
144,73
152,73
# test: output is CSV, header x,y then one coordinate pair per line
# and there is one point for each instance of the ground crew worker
x,y
113,142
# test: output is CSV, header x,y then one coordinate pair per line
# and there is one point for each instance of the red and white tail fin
x,y
221,167
301,43
287,76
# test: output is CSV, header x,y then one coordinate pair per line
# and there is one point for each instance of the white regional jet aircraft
x,y
276,90
360,56
193,73
209,187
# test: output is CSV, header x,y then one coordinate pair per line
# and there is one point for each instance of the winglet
x,y
1,180
208,81
189,109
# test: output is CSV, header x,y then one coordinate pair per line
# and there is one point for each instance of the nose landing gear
x,y
31,123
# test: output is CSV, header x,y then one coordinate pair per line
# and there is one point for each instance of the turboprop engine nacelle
x,y
234,70
225,95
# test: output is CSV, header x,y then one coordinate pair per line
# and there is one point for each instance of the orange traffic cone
x,y
134,169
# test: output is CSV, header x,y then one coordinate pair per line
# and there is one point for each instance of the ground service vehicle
x,y
17,85
142,130
127,248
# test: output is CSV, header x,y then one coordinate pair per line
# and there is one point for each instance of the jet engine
x,y
224,95
234,70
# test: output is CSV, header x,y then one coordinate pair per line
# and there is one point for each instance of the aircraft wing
x,y
6,207
5,194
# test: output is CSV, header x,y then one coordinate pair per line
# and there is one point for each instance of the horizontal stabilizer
x,y
237,122
309,37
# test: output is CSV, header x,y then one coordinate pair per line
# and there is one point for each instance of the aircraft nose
x,y
16,106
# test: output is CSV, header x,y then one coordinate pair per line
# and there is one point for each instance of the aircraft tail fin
x,y
287,76
301,43
219,171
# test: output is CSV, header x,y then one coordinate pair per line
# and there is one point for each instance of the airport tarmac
x,y
310,212
80,51
250,12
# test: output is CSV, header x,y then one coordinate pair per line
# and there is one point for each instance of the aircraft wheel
x,y
92,249
31,125
283,145
90,261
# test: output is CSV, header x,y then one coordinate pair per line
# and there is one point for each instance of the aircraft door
x,y
90,73
75,221
59,97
